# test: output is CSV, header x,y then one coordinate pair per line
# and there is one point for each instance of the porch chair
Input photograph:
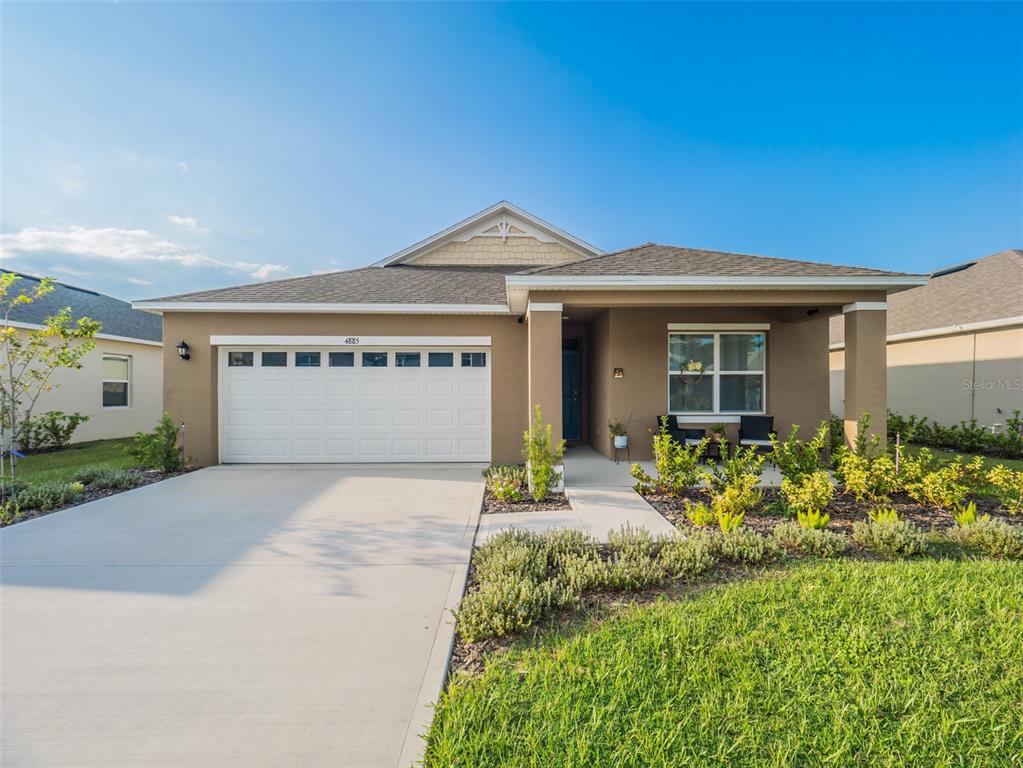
x,y
756,431
684,436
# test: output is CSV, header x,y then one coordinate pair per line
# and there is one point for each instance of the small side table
x,y
617,450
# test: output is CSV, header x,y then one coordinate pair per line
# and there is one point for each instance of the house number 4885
x,y
352,340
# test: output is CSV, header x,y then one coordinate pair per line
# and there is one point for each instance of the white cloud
x,y
139,281
69,271
183,166
124,246
187,222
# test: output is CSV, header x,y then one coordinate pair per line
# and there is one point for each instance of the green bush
x,y
504,605
966,436
159,449
867,478
993,537
47,496
747,546
882,514
53,429
106,477
1009,488
808,497
731,503
699,515
10,512
632,563
797,458
946,486
899,537
733,469
511,553
581,572
677,465
685,557
542,456
506,481
810,541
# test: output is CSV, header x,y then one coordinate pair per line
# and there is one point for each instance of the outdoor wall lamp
x,y
183,350
619,373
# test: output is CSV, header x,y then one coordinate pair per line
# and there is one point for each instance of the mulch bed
x,y
844,511
554,501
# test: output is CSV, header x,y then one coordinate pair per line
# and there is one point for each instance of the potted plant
x,y
717,431
618,434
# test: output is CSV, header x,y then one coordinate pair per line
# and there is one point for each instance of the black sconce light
x,y
183,350
619,373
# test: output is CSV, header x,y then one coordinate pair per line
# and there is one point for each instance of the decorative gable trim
x,y
502,221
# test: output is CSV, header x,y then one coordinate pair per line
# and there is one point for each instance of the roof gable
x,y
500,234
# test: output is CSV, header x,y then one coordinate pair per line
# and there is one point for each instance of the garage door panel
x,y
353,414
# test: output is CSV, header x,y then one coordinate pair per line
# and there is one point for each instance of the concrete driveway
x,y
235,616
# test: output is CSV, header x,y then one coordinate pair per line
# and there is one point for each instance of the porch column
x,y
866,367
544,327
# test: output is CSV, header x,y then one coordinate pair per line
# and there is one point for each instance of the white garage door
x,y
354,404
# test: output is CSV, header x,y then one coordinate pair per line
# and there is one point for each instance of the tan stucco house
x,y
440,352
955,345
120,384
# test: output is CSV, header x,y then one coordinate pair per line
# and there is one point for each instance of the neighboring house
x,y
120,384
955,345
441,351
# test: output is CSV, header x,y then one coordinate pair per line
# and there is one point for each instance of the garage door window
x,y
406,359
374,359
239,359
307,359
442,359
341,359
474,359
116,380
274,359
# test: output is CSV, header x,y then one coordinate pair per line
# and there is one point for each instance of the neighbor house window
x,y
274,359
307,359
374,359
716,373
474,359
406,359
116,380
341,359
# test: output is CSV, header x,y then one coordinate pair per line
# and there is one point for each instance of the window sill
x,y
711,418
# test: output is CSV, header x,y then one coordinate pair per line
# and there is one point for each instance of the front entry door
x,y
571,402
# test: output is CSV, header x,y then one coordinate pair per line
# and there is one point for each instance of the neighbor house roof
x,y
987,290
117,317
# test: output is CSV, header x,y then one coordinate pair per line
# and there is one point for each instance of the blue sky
x,y
150,149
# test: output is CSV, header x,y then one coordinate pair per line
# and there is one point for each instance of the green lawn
x,y
841,663
61,465
989,461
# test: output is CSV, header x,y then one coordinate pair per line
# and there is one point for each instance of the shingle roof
x,y
668,260
973,292
118,317
396,284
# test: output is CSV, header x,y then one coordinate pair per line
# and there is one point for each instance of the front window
x,y
712,373
116,380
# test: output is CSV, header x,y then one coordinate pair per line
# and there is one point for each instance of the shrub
x,y
732,502
891,538
946,486
501,606
684,557
159,449
808,497
47,496
564,542
743,545
797,458
10,512
967,515
106,477
633,562
1009,488
867,478
732,470
578,573
882,514
52,429
677,465
993,537
699,514
810,541
836,436
966,436
542,456
511,553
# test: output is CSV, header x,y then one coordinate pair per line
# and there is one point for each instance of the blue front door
x,y
571,402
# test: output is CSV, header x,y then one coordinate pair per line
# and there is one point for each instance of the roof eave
x,y
379,308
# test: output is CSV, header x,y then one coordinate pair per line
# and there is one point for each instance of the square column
x,y
866,367
544,329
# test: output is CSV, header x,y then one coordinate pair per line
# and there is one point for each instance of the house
x,y
955,345
120,384
440,351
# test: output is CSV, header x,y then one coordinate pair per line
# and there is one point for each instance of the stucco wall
x,y
949,378
480,251
797,370
81,391
191,387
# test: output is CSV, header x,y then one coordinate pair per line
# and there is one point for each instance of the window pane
x,y
374,359
441,359
474,359
274,359
239,359
307,359
114,394
742,352
689,351
742,393
115,368
690,393
406,359
341,359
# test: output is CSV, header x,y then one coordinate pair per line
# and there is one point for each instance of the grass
x,y
842,663
989,461
59,466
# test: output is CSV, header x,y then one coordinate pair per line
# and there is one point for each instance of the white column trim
x,y
719,326
860,306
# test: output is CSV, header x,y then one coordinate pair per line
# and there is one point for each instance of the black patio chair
x,y
756,431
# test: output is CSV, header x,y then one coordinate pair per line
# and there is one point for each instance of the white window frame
x,y
716,375
126,382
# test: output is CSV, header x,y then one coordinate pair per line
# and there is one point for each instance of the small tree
x,y
542,456
28,359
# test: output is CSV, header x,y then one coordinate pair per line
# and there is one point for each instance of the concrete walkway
x,y
602,500
237,616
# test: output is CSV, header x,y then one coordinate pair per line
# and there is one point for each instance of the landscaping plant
x,y
543,455
733,469
810,541
699,514
506,481
1009,487
894,538
797,458
677,465
106,477
159,449
49,430
10,512
966,436
742,545
992,537
967,514
808,497
882,514
47,496
947,486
